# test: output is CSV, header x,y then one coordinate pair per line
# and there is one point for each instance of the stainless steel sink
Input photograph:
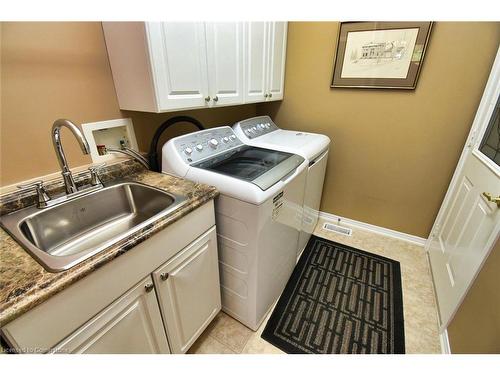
x,y
66,234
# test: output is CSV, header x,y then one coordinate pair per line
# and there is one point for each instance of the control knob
x,y
213,143
188,150
199,147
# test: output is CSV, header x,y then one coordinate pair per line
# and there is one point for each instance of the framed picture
x,y
380,54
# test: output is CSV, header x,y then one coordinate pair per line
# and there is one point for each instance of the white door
x,y
256,56
179,63
276,60
225,62
468,222
132,324
188,290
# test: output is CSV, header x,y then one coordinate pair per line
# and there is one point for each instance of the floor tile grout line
x,y
225,344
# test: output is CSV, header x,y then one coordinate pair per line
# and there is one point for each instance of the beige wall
x,y
476,326
53,70
50,70
393,151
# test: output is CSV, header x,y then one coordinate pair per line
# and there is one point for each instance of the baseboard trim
x,y
374,228
445,342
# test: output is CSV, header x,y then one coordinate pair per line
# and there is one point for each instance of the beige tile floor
x,y
226,335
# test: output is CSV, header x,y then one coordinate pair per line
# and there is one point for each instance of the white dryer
x,y
258,213
261,131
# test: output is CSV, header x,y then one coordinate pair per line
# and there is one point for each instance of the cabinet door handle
x,y
149,287
216,98
207,99
164,276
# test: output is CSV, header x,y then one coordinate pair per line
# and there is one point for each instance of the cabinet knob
x,y
270,95
164,276
149,287
207,99
265,95
216,98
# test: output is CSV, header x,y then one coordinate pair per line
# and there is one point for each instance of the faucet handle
x,y
94,176
31,185
42,196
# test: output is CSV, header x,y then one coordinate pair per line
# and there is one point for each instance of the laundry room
x,y
295,186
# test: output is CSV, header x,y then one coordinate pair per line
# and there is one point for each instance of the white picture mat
x,y
355,66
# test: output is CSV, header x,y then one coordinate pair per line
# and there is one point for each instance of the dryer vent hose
x,y
153,148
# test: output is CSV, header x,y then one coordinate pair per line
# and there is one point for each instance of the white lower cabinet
x,y
132,324
185,289
188,291
156,298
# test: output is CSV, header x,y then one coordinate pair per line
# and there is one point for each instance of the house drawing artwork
x,y
384,50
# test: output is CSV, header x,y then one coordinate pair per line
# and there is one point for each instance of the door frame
x,y
478,128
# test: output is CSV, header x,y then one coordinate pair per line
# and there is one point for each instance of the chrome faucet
x,y
69,182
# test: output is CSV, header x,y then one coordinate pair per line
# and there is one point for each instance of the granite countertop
x,y
24,283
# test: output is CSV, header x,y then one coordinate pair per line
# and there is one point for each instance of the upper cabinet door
x,y
179,63
225,62
256,45
276,62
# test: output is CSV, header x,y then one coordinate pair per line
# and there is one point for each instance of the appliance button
x,y
188,150
213,143
225,139
199,147
254,128
232,138
268,125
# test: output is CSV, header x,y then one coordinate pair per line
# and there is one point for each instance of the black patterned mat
x,y
339,300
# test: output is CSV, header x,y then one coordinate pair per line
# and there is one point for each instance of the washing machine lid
x,y
260,166
261,131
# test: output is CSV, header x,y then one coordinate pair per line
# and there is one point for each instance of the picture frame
x,y
386,55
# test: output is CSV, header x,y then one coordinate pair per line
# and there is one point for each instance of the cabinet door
x,y
179,64
276,60
188,291
225,62
132,324
256,45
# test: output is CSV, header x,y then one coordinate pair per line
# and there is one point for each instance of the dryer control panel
x,y
206,143
257,126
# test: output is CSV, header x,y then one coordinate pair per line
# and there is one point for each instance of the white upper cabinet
x,y
225,62
178,58
265,46
276,62
256,60
168,66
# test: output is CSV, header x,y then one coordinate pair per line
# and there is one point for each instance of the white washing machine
x,y
261,131
258,213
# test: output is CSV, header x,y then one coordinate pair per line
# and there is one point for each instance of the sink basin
x,y
67,233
